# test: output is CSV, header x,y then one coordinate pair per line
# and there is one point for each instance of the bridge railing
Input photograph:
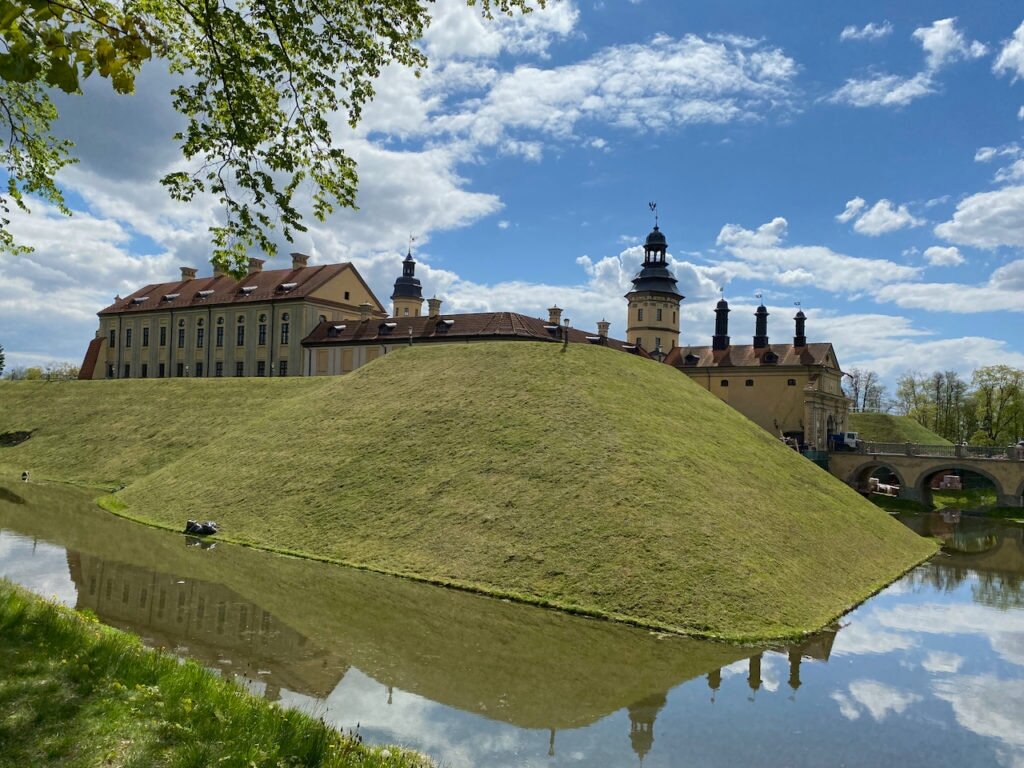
x,y
941,451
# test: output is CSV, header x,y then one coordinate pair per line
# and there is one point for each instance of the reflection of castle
x,y
214,624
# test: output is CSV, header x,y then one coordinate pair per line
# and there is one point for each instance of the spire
x,y
761,326
408,293
800,339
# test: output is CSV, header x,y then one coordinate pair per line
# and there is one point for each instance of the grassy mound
x,y
588,479
886,428
75,693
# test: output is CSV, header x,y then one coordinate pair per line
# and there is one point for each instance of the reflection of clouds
x,y
877,699
942,661
989,707
1003,629
37,566
866,637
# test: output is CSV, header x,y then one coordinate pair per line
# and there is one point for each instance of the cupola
x,y
407,297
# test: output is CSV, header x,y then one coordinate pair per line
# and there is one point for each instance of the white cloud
x,y
990,707
938,256
460,31
942,662
883,90
504,224
853,209
1020,113
885,217
870,31
877,699
762,256
861,638
943,44
962,354
1011,58
987,219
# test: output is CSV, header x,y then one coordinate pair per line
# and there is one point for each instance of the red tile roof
x,y
92,354
747,355
478,326
261,286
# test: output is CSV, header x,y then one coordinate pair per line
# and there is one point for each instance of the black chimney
x,y
800,340
761,328
721,338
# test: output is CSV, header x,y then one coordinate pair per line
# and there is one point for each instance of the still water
x,y
930,672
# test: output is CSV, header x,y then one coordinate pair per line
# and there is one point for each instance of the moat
x,y
928,672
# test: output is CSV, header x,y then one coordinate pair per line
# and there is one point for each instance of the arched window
x,y
284,317
724,382
749,383
181,323
791,383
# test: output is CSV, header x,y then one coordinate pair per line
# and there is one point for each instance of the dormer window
x,y
443,325
770,358
171,296
140,299
386,328
691,359
335,330
247,289
285,287
204,294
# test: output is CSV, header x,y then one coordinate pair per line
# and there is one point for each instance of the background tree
x,y
998,398
2,359
867,393
258,81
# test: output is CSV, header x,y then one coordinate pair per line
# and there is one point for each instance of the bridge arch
x,y
924,480
860,474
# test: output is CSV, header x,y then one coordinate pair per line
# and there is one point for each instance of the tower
x,y
721,338
407,298
800,338
641,723
761,327
653,319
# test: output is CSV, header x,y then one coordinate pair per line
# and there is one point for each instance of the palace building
x,y
324,320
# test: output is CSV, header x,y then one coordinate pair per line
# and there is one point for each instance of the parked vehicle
x,y
845,441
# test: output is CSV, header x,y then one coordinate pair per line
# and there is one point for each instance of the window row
x,y
183,371
750,383
261,335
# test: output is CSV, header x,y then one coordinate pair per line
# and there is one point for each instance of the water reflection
x,y
477,681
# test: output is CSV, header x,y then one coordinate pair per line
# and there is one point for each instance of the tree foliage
x,y
3,359
257,80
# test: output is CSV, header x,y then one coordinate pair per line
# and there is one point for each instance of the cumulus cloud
x,y
987,219
938,256
460,31
1011,58
885,217
762,255
943,662
852,210
870,31
877,699
999,294
943,44
990,707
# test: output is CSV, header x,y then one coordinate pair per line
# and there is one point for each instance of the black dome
x,y
722,304
656,237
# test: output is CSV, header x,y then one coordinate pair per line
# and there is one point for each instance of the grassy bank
x,y
587,480
886,428
76,693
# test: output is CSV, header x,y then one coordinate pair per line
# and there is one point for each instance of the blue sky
x,y
866,161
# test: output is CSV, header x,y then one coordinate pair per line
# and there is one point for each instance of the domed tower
x,y
653,318
407,297
641,723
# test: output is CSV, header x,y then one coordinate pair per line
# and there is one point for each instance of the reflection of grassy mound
x,y
586,479
885,428
969,498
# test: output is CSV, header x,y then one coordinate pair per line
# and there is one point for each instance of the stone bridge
x,y
916,466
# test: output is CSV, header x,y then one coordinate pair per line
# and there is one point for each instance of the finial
x,y
412,240
654,209
796,303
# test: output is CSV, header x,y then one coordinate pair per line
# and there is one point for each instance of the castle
x,y
325,320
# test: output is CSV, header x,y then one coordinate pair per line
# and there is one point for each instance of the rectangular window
x,y
284,333
163,335
261,367
200,337
639,314
113,338
657,314
239,369
110,371
162,370
145,370
127,337
145,336
262,334
127,370
282,368
220,335
199,368
181,338
240,340
657,341
218,369
181,370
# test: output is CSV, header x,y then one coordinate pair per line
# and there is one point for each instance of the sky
x,y
863,160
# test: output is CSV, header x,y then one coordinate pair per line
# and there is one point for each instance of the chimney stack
x,y
218,269
761,327
433,307
555,315
299,260
800,339
602,328
188,273
721,338
255,265
364,311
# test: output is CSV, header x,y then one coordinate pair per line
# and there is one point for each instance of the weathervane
x,y
796,303
654,209
412,240
758,295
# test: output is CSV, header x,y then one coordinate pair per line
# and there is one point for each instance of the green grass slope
x,y
588,480
886,428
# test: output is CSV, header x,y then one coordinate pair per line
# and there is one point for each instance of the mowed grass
x,y
589,480
886,428
75,693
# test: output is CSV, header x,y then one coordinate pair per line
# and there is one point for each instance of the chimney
x,y
761,328
555,315
188,273
299,260
800,339
602,328
255,265
433,307
364,311
721,338
218,269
